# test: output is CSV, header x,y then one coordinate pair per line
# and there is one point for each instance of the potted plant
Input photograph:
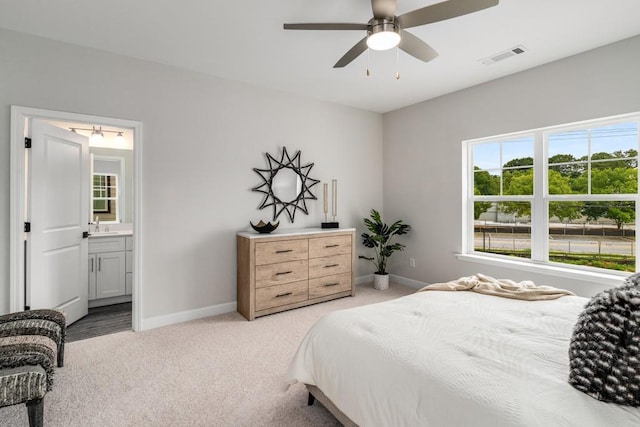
x,y
379,238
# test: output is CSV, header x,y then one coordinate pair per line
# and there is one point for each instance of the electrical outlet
x,y
412,262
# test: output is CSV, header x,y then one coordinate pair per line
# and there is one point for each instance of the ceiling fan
x,y
386,30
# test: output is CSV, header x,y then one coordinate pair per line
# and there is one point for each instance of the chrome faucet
x,y
97,224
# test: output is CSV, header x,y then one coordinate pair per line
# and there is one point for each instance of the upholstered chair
x,y
31,344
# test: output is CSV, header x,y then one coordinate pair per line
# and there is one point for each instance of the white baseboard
x,y
185,316
109,301
213,310
407,282
394,279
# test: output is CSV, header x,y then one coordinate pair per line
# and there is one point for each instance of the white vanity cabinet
x,y
109,263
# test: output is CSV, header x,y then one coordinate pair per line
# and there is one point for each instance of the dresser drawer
x,y
331,245
285,250
329,285
282,272
275,296
326,266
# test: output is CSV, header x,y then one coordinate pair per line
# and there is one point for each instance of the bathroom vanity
x,y
110,267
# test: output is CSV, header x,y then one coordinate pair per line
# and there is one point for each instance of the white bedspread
x,y
452,359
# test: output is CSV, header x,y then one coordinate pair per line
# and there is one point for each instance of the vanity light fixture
x,y
120,138
97,135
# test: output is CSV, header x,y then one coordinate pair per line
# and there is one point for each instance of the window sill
x,y
607,279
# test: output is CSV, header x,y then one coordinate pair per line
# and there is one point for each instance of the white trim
x,y
539,211
19,117
101,302
417,284
138,228
16,211
230,307
467,204
185,316
393,278
606,279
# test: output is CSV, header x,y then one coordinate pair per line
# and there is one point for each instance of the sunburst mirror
x,y
286,185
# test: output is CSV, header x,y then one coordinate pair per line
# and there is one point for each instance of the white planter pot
x,y
380,281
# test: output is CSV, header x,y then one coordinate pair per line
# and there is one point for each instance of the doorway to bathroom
x,y
109,253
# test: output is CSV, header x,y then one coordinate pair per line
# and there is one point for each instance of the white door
x,y
58,210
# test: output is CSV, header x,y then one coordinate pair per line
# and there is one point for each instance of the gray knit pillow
x,y
604,353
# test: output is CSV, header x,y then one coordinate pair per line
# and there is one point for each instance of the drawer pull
x,y
331,265
284,251
286,294
331,284
331,246
280,273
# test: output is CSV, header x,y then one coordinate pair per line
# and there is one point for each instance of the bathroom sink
x,y
110,233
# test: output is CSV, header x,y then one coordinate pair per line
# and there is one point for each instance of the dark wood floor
x,y
101,321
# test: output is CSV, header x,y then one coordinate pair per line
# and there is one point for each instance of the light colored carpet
x,y
216,371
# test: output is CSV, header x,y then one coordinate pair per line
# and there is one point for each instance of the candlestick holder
x,y
330,225
334,205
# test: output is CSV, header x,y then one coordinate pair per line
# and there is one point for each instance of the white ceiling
x,y
243,40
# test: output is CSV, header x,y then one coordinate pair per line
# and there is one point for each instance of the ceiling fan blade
x,y
442,11
353,53
326,26
416,47
383,8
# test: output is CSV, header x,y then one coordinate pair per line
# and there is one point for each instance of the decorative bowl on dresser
x,y
293,268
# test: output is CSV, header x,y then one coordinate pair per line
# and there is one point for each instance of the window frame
x,y
539,200
115,198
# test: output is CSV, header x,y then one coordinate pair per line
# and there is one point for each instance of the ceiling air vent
x,y
503,55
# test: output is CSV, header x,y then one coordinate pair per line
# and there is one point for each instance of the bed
x,y
451,359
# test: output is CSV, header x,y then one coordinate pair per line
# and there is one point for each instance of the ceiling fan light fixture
x,y
384,40
383,35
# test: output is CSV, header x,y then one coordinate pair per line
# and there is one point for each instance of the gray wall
x,y
422,148
202,137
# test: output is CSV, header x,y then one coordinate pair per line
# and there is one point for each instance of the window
x,y
563,195
105,197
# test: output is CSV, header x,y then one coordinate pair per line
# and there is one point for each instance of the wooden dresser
x,y
293,268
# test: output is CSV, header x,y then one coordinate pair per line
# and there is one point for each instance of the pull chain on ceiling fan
x,y
386,30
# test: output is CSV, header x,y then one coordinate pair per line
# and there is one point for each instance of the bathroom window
x,y
105,197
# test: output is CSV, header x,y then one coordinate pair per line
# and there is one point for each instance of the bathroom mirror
x,y
286,185
111,185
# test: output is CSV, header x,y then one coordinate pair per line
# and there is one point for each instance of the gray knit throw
x,y
604,353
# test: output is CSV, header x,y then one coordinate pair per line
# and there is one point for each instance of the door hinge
x,y
27,142
27,227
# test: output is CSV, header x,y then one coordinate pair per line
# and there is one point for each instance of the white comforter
x,y
452,359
